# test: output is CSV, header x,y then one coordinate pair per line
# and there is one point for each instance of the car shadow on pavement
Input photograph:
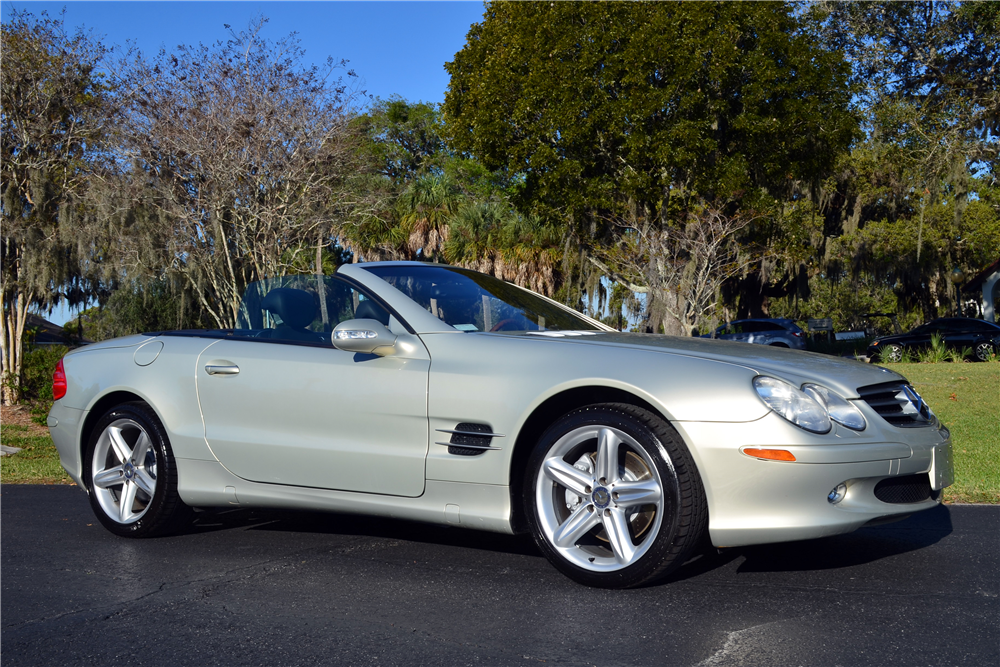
x,y
299,521
860,547
864,545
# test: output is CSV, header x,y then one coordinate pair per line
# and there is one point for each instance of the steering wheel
x,y
499,325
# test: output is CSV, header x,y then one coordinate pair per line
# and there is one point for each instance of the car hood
x,y
842,375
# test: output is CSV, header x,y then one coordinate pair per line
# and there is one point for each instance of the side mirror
x,y
364,336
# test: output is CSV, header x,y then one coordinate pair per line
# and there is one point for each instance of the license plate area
x,y
942,472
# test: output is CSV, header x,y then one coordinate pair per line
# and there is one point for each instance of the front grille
x,y
905,489
898,404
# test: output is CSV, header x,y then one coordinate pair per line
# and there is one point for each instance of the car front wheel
x,y
130,473
892,352
613,497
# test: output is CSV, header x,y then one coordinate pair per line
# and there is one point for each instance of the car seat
x,y
296,309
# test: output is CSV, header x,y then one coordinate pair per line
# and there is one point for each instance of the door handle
x,y
222,370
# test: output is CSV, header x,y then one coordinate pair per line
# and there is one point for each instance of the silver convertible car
x,y
431,393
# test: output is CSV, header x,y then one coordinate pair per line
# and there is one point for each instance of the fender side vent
x,y
468,439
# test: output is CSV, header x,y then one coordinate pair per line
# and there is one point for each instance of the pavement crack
x,y
735,645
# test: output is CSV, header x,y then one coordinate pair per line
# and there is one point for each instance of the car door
x,y
765,333
961,334
920,338
298,412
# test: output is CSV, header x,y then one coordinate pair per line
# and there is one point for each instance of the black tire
x,y
984,351
148,515
625,545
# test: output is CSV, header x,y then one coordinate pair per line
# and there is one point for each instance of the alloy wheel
x,y
124,471
599,498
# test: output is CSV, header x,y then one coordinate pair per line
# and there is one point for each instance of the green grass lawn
x,y
36,463
965,396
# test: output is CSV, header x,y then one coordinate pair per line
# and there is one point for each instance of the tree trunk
x,y
12,325
320,283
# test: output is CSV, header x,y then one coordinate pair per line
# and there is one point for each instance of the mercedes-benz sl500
x,y
432,393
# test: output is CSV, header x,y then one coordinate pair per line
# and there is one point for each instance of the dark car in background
x,y
980,337
776,332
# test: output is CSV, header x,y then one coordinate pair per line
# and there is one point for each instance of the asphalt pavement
x,y
255,587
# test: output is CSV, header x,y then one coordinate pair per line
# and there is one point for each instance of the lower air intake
x,y
905,489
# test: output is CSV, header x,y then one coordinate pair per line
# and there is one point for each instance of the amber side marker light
x,y
770,454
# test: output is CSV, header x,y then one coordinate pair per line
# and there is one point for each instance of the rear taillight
x,y
797,334
59,382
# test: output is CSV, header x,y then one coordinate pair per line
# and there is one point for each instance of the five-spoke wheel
x,y
129,471
123,470
613,497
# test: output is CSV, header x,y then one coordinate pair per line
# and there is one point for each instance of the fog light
x,y
837,494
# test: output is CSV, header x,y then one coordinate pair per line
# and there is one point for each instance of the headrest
x,y
295,307
372,311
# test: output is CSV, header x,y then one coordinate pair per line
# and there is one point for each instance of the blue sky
x,y
396,48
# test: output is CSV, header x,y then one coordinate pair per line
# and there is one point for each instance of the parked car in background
x,y
980,337
776,332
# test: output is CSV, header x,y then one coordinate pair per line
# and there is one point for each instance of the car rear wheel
x,y
613,497
131,476
984,351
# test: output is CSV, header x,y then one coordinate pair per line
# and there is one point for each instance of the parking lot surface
x,y
256,587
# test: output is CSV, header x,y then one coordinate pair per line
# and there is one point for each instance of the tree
x,y
414,182
492,238
910,198
647,111
235,161
52,129
682,270
595,105
135,308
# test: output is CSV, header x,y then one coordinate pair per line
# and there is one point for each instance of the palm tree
x,y
424,210
490,237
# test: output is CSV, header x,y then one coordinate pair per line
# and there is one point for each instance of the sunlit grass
x,y
36,463
966,397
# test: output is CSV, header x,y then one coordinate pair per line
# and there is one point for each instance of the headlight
x,y
840,411
793,404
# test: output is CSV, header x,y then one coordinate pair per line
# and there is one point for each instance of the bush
x,y
36,378
39,365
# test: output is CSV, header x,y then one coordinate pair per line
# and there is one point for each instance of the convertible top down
x,y
432,393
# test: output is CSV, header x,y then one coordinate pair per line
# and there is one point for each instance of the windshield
x,y
471,301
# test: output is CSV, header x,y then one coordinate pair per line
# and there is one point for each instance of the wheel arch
x,y
543,416
101,406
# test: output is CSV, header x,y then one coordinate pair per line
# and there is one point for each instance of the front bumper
x,y
754,501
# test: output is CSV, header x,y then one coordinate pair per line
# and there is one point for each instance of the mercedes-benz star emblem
x,y
601,497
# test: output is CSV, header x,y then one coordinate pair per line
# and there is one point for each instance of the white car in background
x,y
763,331
432,393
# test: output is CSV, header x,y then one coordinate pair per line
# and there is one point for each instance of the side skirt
x,y
477,506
